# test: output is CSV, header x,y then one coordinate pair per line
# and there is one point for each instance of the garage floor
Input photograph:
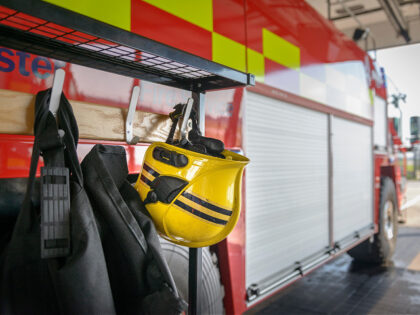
x,y
344,287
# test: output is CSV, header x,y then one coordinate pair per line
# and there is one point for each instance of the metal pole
x,y
199,107
195,272
194,280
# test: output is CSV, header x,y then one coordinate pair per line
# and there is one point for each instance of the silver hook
x,y
186,118
129,137
57,89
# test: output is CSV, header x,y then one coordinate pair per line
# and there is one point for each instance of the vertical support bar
x,y
330,184
194,280
199,107
195,272
373,171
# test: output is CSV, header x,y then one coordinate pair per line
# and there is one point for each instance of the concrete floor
x,y
345,287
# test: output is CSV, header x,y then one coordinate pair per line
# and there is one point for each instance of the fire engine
x,y
323,178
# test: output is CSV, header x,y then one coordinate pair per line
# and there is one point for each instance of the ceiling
x,y
390,22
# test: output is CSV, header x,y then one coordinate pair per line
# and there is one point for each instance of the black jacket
x,y
115,264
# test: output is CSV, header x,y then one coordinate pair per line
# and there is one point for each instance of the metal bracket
x,y
129,137
55,212
250,79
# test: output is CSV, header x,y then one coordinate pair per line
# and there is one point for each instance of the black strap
x,y
67,122
57,150
194,120
175,116
43,117
196,142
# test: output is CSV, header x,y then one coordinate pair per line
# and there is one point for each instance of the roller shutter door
x,y
352,177
286,185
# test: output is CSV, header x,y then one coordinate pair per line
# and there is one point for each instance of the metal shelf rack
x,y
44,29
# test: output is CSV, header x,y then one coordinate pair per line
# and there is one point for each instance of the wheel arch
x,y
391,171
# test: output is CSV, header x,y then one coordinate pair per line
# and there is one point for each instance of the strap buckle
x,y
55,212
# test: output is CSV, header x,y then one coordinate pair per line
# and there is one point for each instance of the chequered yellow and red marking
x,y
212,29
250,36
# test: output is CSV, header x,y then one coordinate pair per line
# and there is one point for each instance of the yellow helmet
x,y
194,199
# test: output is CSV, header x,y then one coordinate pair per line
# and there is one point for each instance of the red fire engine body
x,y
314,128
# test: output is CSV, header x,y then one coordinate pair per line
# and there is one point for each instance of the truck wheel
x,y
383,246
212,290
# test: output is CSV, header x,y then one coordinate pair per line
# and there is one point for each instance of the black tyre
x,y
383,246
212,290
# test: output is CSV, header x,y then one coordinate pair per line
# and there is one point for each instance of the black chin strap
x,y
196,142
175,116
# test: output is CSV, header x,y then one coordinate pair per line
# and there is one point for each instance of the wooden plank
x,y
95,121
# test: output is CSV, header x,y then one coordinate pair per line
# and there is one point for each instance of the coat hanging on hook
x,y
75,282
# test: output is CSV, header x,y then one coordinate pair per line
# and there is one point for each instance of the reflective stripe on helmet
x,y
203,209
200,214
206,204
148,174
150,170
145,180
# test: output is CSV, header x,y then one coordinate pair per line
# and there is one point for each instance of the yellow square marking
x,y
256,64
372,96
198,12
280,50
116,13
228,52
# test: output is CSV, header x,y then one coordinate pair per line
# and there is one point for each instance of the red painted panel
x,y
379,161
280,17
168,29
16,151
224,116
297,22
224,121
231,253
229,19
